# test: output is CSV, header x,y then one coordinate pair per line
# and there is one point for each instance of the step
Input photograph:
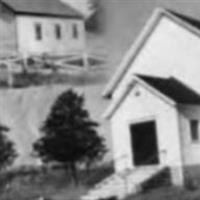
x,y
114,191
105,195
108,188
122,184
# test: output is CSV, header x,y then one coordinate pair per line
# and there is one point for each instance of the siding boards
x,y
8,39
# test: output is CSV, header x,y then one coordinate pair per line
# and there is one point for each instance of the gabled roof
x,y
42,8
187,19
190,24
173,89
170,90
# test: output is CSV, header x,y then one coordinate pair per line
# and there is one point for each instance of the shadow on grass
x,y
167,193
56,184
22,80
51,184
94,62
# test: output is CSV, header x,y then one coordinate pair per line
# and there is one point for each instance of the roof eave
x,y
76,15
137,46
114,106
47,15
136,80
156,92
7,6
131,54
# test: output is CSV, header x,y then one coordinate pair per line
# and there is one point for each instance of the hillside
x,y
23,109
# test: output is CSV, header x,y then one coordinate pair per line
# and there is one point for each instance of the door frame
x,y
143,120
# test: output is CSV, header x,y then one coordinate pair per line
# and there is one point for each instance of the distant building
x,y
40,26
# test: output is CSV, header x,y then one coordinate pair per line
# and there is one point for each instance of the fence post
x,y
25,63
85,60
10,75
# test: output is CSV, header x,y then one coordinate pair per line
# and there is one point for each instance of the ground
x,y
55,184
41,87
168,193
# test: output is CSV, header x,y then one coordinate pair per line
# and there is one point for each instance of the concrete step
x,y
122,184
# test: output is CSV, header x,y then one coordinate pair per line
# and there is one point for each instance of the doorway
x,y
144,143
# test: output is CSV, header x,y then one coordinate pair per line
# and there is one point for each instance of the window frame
x,y
194,130
58,31
75,31
38,31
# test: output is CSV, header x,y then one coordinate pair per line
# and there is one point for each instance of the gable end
x,y
141,41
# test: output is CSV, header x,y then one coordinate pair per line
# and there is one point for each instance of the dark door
x,y
144,143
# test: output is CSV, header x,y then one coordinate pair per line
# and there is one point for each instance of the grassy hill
x,y
167,193
24,108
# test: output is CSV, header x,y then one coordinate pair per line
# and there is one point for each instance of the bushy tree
x,y
93,5
69,135
96,20
7,151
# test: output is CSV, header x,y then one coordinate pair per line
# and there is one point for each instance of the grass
x,y
167,193
37,79
55,184
80,62
98,174
44,73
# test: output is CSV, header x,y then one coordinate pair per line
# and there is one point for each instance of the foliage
x,y
190,183
166,193
94,22
7,151
69,135
93,5
53,184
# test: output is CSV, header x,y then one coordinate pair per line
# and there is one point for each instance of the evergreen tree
x,y
7,151
69,135
95,23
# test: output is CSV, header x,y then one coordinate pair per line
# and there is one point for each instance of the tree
x,y
69,135
7,151
92,5
96,21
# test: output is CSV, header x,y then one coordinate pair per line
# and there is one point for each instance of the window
x,y
38,31
58,31
75,31
194,128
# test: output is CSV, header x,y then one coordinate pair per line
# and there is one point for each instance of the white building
x,y
155,101
40,26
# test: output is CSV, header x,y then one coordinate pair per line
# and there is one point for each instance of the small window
x,y
194,127
75,31
38,31
58,31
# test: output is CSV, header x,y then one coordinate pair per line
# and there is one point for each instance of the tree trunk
x,y
74,172
24,64
88,170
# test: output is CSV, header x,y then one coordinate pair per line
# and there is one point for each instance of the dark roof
x,y
42,8
190,20
173,89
